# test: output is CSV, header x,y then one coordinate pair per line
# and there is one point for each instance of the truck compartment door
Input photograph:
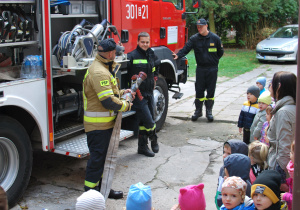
x,y
171,19
134,16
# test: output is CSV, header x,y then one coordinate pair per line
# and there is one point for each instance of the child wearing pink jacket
x,y
288,196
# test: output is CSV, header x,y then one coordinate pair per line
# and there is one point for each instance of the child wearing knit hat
x,y
139,197
234,193
248,112
232,146
91,199
265,191
191,197
261,83
263,101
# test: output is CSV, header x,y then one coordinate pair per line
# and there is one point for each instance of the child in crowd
x,y
263,101
265,127
261,83
248,112
231,146
91,199
237,165
234,194
258,153
191,197
265,191
288,197
139,197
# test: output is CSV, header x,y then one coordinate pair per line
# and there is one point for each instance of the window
x,y
177,3
286,32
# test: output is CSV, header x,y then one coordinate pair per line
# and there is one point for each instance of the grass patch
x,y
229,41
233,63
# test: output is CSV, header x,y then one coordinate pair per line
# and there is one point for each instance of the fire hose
x,y
112,152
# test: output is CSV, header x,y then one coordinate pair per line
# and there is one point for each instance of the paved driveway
x,y
190,152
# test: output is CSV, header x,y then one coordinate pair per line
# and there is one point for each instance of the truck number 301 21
x,y
135,11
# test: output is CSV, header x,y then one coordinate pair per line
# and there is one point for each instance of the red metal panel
x,y
135,16
156,24
149,16
116,16
171,17
47,61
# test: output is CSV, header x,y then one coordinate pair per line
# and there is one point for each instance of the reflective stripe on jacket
x,y
98,85
146,61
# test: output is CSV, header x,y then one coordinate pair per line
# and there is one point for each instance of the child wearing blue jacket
x,y
231,146
261,83
248,112
234,194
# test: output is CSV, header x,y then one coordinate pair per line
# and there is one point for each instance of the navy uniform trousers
x,y
98,142
206,80
145,114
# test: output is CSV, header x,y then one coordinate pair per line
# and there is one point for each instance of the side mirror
x,y
196,3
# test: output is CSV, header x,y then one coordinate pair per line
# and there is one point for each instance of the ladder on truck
x,y
76,145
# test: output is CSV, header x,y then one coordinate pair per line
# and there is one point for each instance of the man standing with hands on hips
x,y
208,50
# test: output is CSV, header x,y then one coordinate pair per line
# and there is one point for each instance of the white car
x,y
280,46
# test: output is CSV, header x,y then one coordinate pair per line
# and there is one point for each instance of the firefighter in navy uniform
x,y
144,59
101,97
208,50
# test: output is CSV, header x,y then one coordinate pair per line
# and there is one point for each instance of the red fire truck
x,y
46,47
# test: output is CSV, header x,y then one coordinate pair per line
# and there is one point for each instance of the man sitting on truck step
x,y
101,97
144,59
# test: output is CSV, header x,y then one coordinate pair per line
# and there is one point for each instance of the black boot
x,y
115,194
97,188
143,146
112,193
154,143
198,111
209,105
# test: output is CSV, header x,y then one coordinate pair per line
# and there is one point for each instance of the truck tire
x,y
161,101
15,159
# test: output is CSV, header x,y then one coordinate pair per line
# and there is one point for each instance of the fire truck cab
x,y
45,49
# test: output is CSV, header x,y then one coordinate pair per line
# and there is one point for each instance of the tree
x,y
248,17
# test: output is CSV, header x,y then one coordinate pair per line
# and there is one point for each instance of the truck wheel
x,y
15,158
161,101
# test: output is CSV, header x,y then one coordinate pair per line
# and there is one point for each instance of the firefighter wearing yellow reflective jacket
x,y
101,98
144,59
